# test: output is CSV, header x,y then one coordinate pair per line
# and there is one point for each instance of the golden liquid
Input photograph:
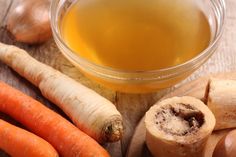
x,y
136,34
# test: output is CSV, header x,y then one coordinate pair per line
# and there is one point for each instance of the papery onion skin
x,y
226,147
29,21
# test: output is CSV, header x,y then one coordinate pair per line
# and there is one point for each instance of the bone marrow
x,y
178,126
179,119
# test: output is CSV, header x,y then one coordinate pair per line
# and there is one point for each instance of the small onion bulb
x,y
29,21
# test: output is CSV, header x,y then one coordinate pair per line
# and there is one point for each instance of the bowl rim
x,y
80,60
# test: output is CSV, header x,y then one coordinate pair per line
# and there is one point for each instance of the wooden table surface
x,y
131,106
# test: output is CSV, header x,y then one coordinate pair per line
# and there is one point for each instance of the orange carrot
x,y
21,143
68,140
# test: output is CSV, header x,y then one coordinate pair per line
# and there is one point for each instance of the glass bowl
x,y
140,81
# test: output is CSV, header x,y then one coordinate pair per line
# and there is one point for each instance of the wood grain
x,y
131,106
5,5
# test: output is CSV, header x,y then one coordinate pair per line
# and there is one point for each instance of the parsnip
x,y
221,99
178,127
92,113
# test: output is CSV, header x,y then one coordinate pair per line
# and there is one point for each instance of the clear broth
x,y
136,34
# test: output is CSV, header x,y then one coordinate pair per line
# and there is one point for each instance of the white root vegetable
x,y
178,127
221,99
92,113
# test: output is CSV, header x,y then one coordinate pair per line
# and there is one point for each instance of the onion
x,y
29,21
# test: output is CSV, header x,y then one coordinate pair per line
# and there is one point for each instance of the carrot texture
x,y
68,140
18,142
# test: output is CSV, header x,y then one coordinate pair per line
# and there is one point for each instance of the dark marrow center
x,y
179,119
